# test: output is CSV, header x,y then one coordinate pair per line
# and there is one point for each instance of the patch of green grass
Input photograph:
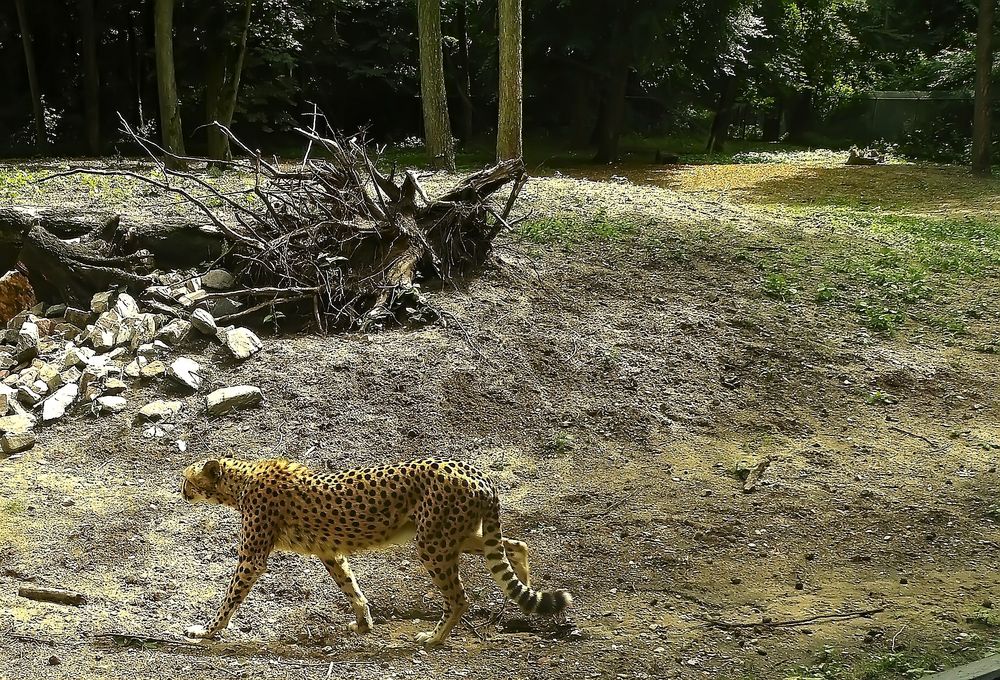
x,y
879,398
985,617
892,666
13,507
560,444
572,229
17,184
780,287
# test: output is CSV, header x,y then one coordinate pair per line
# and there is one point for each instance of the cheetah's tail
x,y
531,601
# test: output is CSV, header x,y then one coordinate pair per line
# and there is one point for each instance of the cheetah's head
x,y
201,483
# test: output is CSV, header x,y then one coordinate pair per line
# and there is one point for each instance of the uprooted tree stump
x,y
334,238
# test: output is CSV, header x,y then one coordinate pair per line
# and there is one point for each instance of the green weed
x,y
571,229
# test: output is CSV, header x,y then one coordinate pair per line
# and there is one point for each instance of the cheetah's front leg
x,y
253,552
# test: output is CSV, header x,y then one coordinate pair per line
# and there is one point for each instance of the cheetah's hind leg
x,y
517,554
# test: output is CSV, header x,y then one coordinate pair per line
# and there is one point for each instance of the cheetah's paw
x,y
428,639
198,632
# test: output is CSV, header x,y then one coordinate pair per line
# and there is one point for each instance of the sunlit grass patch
x,y
572,228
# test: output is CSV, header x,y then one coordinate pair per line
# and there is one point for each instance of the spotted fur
x,y
449,508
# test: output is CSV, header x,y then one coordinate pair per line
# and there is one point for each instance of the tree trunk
x,y
614,88
91,77
610,124
798,116
583,116
437,128
509,124
223,84
170,113
29,62
981,136
719,133
465,71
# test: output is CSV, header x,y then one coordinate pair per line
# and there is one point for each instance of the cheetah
x,y
448,507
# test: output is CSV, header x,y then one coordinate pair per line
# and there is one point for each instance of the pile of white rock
x,y
58,359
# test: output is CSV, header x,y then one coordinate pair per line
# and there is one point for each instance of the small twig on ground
x,y
864,613
896,428
892,645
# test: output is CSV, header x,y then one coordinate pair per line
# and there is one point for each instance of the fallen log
x,y
334,239
56,595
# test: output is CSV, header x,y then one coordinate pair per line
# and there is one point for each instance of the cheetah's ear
x,y
212,470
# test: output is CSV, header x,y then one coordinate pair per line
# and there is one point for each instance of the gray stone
x,y
186,372
16,442
158,410
38,309
203,322
78,317
174,332
7,396
217,279
7,360
71,375
74,356
55,406
111,404
242,343
231,398
66,331
28,395
55,311
15,322
220,307
101,302
17,423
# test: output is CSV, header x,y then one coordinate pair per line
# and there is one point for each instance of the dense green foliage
x,y
765,69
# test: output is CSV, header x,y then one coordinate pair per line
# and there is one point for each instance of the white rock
x,y
17,423
126,307
55,406
242,343
187,372
111,404
203,322
114,386
134,368
158,410
230,398
27,341
50,375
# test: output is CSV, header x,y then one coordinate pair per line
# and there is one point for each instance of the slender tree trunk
x,y
583,115
170,112
91,77
437,128
29,62
615,86
223,84
981,136
464,71
719,133
510,122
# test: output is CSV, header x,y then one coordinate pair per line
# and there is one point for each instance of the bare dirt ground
x,y
620,372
